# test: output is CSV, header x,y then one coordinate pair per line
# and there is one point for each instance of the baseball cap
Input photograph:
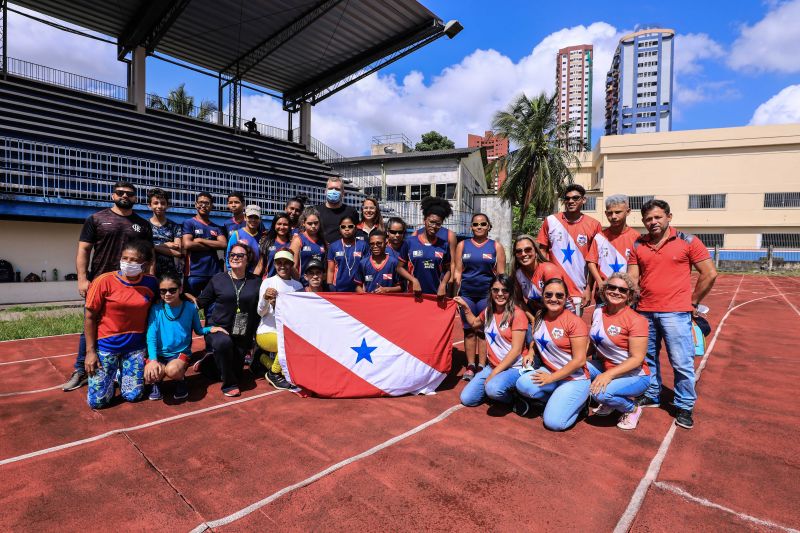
x,y
284,254
251,210
314,263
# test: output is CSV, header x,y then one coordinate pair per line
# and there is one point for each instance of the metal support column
x,y
5,37
305,124
220,108
136,86
290,133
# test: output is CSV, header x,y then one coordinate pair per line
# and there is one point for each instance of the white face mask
x,y
130,269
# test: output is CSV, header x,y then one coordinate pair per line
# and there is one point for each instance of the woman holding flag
x,y
562,339
477,261
344,256
504,324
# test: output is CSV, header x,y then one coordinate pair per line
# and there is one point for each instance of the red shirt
x,y
122,309
556,351
622,242
665,274
582,232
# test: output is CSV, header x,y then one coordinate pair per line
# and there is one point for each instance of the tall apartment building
x,y
496,146
639,83
574,93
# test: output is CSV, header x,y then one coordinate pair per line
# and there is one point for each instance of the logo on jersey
x,y
356,254
557,333
368,278
466,256
387,277
416,253
198,232
582,239
438,255
213,233
627,253
487,256
136,227
338,254
613,330
306,248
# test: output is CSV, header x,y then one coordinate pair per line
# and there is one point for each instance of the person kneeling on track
x,y
504,325
619,335
267,332
169,336
562,340
234,296
116,317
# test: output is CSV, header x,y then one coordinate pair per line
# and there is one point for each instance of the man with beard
x,y
103,237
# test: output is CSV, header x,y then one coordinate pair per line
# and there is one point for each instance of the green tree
x,y
433,140
180,102
539,168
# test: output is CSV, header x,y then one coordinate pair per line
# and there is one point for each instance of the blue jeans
x,y
564,398
620,391
499,389
101,385
675,329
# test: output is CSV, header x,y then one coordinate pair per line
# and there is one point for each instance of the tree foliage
x,y
180,102
433,140
539,168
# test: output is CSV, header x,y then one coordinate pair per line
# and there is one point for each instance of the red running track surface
x,y
473,469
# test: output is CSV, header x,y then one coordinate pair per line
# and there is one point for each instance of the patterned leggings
x,y
101,385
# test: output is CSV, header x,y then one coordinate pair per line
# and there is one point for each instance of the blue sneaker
x,y
181,390
155,392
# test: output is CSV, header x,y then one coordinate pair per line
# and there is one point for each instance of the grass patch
x,y
34,308
34,325
794,273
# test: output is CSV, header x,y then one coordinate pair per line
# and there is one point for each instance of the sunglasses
x,y
395,232
497,290
204,203
372,244
237,256
121,192
617,288
572,198
556,295
479,224
171,290
433,224
347,226
526,250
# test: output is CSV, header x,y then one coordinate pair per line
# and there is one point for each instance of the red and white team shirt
x,y
564,239
553,340
532,287
611,333
611,252
499,338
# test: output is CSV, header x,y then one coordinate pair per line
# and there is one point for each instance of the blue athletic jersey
x,y
399,254
309,250
231,225
442,233
242,235
478,267
426,262
345,259
272,249
202,262
372,275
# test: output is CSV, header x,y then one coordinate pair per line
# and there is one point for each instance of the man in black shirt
x,y
333,209
103,236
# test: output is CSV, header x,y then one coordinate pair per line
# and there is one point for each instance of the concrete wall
x,y
51,291
500,214
37,246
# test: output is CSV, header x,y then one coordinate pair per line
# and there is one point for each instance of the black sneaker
x,y
181,390
521,405
684,418
278,381
647,401
77,380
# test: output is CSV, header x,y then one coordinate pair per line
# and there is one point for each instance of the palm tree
x,y
180,102
539,168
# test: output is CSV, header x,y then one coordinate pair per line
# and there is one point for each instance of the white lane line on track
x,y
37,338
7,394
134,428
784,296
38,358
674,489
319,475
638,496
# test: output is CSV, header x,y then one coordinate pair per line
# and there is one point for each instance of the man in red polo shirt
x,y
662,261
567,237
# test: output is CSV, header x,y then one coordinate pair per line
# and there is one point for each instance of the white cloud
x,y
770,44
691,49
783,108
461,99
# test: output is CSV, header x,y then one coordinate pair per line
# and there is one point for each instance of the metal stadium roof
x,y
300,48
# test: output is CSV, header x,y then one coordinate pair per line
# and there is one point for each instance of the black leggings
x,y
228,364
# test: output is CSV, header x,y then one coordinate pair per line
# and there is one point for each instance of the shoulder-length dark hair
x,y
511,303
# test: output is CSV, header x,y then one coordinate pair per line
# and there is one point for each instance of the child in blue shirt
x,y
169,336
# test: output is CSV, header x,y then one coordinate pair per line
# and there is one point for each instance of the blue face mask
x,y
333,196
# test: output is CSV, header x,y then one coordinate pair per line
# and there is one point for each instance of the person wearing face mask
x,y
333,209
100,244
117,306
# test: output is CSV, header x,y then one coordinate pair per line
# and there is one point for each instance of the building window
x,y
780,240
782,199
591,203
373,191
711,239
636,202
396,193
446,191
707,201
418,192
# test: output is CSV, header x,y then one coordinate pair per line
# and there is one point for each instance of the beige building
x,y
735,187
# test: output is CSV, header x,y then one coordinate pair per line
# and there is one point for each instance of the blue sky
x,y
725,72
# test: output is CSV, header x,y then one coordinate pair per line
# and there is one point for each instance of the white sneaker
x,y
630,420
603,410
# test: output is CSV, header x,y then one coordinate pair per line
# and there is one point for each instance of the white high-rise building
x,y
574,93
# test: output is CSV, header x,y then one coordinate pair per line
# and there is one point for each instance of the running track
x,y
274,461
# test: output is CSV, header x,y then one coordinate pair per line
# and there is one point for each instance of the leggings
x,y
228,362
101,384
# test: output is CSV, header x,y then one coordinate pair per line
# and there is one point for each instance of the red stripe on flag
x,y
421,328
313,370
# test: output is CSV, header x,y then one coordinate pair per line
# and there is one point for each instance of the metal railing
x,y
60,172
76,82
410,212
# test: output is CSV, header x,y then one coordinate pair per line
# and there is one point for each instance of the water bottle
x,y
44,275
55,274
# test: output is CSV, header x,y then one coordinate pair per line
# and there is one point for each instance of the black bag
x,y
31,278
6,272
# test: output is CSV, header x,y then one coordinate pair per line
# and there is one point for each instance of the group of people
x,y
526,345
